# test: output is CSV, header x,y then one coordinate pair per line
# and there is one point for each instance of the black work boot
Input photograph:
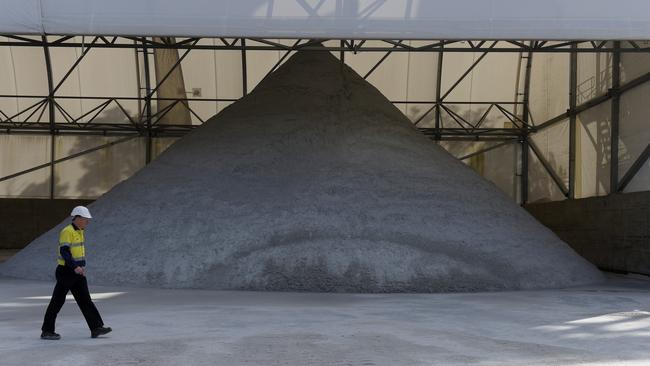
x,y
100,331
50,336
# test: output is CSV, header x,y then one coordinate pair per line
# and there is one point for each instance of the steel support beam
x,y
147,102
525,150
596,101
437,116
76,63
260,44
549,169
573,98
636,166
53,162
377,64
277,64
467,72
176,64
52,113
615,118
523,178
244,68
482,151
475,133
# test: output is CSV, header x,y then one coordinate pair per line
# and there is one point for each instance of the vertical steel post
x,y
136,51
437,134
615,117
524,142
573,100
147,100
52,114
243,67
523,179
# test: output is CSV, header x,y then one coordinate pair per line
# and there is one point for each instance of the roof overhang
x,y
345,19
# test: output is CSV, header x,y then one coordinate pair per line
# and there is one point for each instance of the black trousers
x,y
67,280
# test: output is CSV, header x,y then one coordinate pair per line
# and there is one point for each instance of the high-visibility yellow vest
x,y
75,240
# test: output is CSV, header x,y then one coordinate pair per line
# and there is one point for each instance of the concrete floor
x,y
607,324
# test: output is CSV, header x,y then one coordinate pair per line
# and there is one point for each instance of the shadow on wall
x,y
541,187
596,123
599,138
91,175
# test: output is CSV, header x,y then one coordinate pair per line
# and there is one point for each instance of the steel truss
x,y
146,123
346,45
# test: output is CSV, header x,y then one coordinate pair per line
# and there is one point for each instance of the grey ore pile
x,y
312,182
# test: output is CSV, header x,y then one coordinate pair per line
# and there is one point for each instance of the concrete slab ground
x,y
608,324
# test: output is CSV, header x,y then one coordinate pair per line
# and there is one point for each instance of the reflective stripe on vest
x,y
74,239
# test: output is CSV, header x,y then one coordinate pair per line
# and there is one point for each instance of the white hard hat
x,y
81,211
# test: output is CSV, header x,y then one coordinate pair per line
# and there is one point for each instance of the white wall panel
x,y
634,130
92,174
593,139
549,86
18,153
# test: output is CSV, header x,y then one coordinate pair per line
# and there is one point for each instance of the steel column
x,y
244,75
615,118
147,101
524,141
573,98
523,178
52,114
438,92
69,126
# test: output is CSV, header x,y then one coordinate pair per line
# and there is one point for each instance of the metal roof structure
x,y
243,31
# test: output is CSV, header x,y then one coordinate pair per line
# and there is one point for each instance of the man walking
x,y
71,276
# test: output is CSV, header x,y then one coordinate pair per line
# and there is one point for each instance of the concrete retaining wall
x,y
612,232
23,220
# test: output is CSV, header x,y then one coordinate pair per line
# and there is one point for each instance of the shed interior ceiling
x,y
333,19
